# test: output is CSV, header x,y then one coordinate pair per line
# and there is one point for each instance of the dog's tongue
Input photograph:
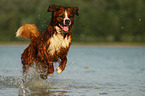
x,y
64,28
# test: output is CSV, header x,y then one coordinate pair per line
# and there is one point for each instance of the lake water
x,y
90,71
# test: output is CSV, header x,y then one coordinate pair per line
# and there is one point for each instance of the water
x,y
90,71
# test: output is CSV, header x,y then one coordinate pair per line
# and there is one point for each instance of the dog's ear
x,y
52,8
75,10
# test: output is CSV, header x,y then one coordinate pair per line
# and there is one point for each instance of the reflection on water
x,y
94,71
50,92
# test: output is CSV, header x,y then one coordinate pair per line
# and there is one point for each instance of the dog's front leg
x,y
62,65
50,70
49,64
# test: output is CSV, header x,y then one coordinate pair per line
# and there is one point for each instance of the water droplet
x,y
122,27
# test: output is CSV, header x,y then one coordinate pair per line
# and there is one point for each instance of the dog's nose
x,y
67,22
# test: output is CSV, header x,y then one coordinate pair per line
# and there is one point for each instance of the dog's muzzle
x,y
66,22
65,25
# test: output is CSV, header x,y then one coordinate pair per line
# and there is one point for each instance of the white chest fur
x,y
57,41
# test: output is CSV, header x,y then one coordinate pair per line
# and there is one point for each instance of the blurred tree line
x,y
98,20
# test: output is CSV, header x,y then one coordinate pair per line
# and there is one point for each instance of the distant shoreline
x,y
117,44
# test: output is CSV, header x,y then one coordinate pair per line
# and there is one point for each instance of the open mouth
x,y
64,28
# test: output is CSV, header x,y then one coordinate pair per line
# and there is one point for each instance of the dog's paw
x,y
58,70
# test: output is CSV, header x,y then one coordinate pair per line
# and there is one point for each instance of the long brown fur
x,y
45,49
28,31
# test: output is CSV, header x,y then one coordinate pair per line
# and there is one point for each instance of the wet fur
x,y
48,47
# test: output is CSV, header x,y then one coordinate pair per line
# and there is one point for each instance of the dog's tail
x,y
28,31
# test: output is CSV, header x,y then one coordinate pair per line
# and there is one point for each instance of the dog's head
x,y
63,16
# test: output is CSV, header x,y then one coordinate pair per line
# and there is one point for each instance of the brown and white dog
x,y
51,45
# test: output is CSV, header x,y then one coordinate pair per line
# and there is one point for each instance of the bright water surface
x,y
112,71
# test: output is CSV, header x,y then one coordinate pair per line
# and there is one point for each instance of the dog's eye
x,y
62,16
70,16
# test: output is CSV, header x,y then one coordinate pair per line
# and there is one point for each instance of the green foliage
x,y
98,20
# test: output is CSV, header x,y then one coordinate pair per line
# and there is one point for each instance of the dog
x,y
52,45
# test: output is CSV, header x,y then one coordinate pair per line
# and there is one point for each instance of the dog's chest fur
x,y
58,41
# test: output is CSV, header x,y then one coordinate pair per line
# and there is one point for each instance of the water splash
x,y
23,91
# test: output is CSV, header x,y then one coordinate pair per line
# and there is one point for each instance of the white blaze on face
x,y
66,15
66,18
